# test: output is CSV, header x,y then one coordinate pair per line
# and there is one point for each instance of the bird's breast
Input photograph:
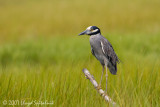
x,y
96,46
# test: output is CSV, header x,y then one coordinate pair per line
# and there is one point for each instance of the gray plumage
x,y
104,52
102,49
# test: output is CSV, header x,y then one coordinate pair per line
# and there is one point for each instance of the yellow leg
x,y
106,80
101,77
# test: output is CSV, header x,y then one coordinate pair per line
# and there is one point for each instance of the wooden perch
x,y
100,91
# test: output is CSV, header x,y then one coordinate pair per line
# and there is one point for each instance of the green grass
x,y
41,56
52,71
34,18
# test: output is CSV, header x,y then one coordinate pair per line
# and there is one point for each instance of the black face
x,y
91,30
94,30
94,27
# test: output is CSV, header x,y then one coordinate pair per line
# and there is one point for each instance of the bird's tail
x,y
113,69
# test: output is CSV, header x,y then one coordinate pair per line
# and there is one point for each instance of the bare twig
x,y
95,84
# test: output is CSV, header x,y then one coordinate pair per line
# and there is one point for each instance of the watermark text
x,y
27,103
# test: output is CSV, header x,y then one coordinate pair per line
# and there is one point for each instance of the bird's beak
x,y
83,33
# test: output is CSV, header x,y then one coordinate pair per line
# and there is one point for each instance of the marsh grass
x,y
52,71
34,18
41,56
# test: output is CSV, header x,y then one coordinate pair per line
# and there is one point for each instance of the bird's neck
x,y
96,34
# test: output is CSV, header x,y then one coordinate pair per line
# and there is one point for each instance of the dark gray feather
x,y
109,51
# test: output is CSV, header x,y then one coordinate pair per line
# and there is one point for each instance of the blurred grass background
x,y
41,56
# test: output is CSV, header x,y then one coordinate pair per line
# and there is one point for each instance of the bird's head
x,y
91,30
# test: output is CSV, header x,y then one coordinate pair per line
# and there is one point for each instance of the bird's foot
x,y
99,87
105,93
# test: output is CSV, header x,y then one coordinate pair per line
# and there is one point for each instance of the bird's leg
x,y
106,80
99,86
102,75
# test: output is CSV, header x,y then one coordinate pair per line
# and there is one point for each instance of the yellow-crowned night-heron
x,y
102,50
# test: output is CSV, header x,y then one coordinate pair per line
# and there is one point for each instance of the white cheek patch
x,y
95,30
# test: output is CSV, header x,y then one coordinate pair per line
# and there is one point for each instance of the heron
x,y
102,49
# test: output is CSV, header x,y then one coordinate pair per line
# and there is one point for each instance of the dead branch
x,y
95,84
